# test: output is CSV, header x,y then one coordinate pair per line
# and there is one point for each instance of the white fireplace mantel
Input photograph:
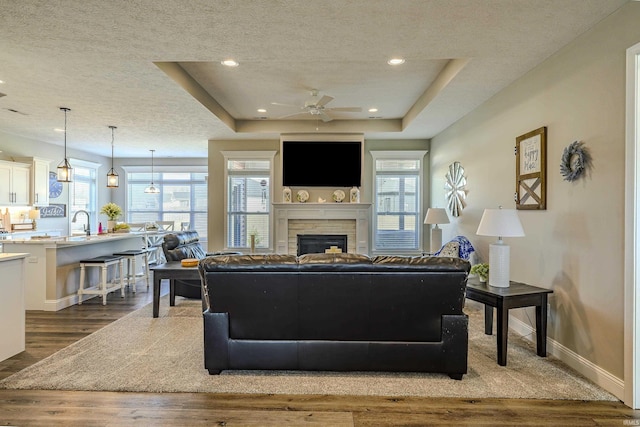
x,y
283,212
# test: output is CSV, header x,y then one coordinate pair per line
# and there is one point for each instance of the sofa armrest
x,y
216,341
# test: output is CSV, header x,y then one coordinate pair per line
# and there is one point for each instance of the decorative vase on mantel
x,y
354,195
286,195
111,225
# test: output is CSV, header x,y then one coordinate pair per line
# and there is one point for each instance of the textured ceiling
x,y
152,67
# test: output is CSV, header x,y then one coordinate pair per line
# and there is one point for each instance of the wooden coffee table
x,y
171,270
515,296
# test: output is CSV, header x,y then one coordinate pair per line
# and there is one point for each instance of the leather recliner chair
x,y
186,244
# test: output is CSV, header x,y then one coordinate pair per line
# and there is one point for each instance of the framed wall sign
x,y
531,170
53,211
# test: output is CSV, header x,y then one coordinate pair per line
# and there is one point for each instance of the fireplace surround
x,y
359,213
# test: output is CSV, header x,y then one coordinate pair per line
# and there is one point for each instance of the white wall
x,y
575,247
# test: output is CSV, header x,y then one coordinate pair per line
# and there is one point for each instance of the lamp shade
x,y
501,223
436,216
34,214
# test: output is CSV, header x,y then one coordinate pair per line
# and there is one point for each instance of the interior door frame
x,y
632,232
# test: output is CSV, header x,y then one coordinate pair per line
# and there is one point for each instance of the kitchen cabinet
x,y
39,188
14,184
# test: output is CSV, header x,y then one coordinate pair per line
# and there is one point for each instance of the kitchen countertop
x,y
72,240
9,257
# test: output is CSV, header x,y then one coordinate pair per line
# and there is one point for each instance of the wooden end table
x,y
515,296
171,270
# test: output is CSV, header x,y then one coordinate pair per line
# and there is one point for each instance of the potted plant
x,y
113,212
482,271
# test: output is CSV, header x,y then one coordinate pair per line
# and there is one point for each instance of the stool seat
x,y
131,252
100,259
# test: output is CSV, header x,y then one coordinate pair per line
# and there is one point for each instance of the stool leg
x,y
121,265
132,273
104,284
146,268
81,288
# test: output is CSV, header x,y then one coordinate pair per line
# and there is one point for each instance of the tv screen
x,y
321,163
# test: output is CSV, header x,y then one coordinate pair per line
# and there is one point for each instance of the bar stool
x,y
102,288
132,273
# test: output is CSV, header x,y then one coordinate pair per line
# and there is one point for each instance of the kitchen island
x,y
52,273
12,316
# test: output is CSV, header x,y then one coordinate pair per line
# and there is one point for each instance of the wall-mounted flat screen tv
x,y
321,163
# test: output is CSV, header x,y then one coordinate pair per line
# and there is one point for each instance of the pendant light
x,y
112,177
64,168
152,189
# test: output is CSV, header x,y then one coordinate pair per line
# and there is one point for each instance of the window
x,y
248,175
397,200
182,198
83,195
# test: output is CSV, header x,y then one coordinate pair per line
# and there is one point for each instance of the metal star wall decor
x,y
455,189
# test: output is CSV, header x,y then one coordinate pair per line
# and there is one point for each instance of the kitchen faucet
x,y
88,228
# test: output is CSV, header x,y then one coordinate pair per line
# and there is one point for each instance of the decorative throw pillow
x,y
451,249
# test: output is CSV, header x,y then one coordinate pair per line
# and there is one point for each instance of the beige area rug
x,y
143,354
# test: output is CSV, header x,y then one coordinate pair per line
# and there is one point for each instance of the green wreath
x,y
575,161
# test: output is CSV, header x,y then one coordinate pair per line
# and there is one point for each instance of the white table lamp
x,y
436,216
500,223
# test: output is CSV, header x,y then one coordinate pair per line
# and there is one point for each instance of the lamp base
x,y
436,239
499,265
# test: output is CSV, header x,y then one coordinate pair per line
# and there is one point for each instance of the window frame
x,y
414,155
158,182
259,155
93,190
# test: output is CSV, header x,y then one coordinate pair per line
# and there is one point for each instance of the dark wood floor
x,y
48,332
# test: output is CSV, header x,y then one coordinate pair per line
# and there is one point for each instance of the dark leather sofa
x,y
181,245
336,312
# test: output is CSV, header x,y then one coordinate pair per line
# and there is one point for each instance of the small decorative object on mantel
x,y
576,160
338,196
531,170
321,200
354,195
455,193
286,195
302,196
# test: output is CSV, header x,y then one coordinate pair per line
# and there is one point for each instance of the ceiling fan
x,y
316,106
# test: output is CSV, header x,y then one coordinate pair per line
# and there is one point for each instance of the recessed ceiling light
x,y
395,61
230,63
373,110
1,81
261,110
59,130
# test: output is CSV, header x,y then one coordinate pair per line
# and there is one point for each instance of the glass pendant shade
x,y
65,172
113,180
152,189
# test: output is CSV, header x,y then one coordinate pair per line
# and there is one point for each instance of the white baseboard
x,y
59,304
593,372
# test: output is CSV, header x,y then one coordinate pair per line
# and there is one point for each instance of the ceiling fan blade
x,y
293,114
285,105
325,117
324,101
346,109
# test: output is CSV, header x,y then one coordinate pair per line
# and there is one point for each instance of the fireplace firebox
x,y
318,243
